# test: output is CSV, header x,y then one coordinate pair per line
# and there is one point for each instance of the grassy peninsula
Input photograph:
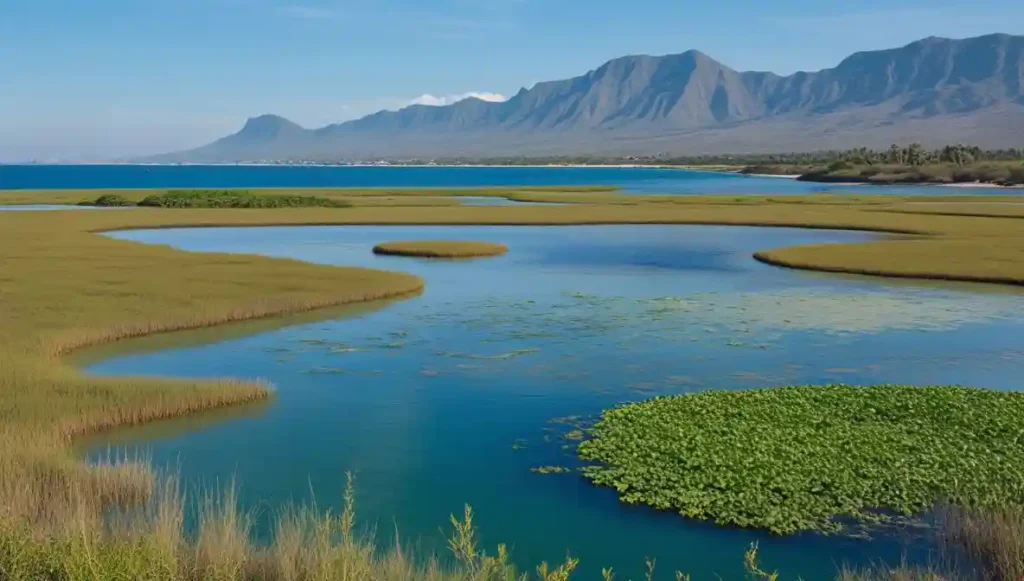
x,y
440,248
71,288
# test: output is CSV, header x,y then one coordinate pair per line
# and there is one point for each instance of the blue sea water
x,y
448,397
633,180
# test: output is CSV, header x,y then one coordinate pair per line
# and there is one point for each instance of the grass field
x,y
63,287
440,248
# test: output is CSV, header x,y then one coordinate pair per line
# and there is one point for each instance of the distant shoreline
x,y
340,165
695,168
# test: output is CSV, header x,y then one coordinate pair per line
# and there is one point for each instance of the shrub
x,y
235,199
112,200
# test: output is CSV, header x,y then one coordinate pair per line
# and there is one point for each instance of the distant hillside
x,y
935,91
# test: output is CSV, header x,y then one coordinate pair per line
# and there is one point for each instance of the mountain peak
x,y
262,123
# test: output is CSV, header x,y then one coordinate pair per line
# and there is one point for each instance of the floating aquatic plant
x,y
803,458
551,470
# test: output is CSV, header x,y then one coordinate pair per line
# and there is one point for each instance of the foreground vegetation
x,y
803,458
145,537
72,288
440,248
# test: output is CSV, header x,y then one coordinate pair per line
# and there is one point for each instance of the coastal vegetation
x,y
73,288
995,173
913,163
234,199
951,164
959,154
109,201
809,457
440,248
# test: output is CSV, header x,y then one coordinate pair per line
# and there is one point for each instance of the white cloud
x,y
437,101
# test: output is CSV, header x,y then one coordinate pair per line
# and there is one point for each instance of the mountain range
x,y
934,91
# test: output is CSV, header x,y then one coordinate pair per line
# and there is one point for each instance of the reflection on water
x,y
447,398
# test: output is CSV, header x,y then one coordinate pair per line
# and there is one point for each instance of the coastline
x,y
769,175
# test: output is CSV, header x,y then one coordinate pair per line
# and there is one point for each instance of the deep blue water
x,y
447,398
635,180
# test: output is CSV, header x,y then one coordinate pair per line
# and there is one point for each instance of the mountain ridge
x,y
687,103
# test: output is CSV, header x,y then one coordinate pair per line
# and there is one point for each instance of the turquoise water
x,y
448,398
635,180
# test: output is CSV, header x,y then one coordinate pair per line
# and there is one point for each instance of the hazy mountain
x,y
935,90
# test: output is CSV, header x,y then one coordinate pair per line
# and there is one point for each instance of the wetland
x,y
479,389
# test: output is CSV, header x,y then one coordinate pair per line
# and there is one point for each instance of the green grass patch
x,y
235,199
808,458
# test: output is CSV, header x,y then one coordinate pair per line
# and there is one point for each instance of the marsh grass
x,y
971,545
440,248
70,289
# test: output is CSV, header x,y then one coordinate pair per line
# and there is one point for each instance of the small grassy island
x,y
804,458
440,248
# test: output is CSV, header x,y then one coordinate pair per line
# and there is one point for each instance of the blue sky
x,y
95,78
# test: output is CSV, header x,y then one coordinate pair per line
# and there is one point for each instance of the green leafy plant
x,y
803,458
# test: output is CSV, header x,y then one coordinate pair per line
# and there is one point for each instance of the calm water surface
x,y
447,398
635,180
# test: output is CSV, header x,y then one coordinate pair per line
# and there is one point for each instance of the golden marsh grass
x,y
440,248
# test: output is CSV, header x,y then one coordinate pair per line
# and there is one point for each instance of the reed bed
x,y
64,288
440,248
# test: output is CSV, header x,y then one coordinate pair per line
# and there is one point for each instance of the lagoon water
x,y
632,180
452,397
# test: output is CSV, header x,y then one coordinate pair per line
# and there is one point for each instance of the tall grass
x,y
147,539
973,545
63,288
